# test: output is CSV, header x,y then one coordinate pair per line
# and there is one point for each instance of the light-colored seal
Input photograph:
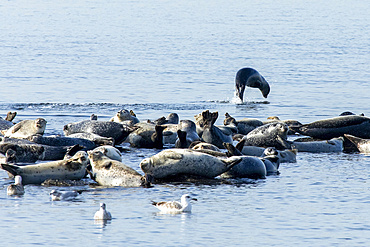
x,y
268,135
289,122
124,117
173,162
102,128
335,127
108,172
318,146
204,145
102,213
74,168
110,151
27,128
16,188
363,145
251,78
174,207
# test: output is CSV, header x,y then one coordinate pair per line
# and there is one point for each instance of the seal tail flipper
x,y
12,169
354,139
231,163
240,145
231,150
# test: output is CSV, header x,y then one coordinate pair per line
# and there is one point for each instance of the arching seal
x,y
172,118
251,78
124,117
174,162
103,128
363,145
268,135
335,127
188,132
73,168
27,128
108,172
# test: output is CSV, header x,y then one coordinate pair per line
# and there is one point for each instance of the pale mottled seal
x,y
27,128
125,117
108,172
363,145
335,127
289,122
103,128
269,135
110,151
174,162
73,168
251,78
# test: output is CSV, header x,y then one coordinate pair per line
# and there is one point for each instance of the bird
x,y
102,213
16,188
174,206
63,195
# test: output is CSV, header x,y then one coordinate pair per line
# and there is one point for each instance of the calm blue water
x,y
64,60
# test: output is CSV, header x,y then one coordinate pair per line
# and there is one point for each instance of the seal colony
x,y
184,150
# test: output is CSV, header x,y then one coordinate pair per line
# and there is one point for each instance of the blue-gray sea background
x,y
64,60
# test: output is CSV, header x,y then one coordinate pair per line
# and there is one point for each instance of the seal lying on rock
x,y
102,128
108,172
318,146
268,135
335,127
73,168
173,162
21,153
97,139
147,136
188,134
124,117
244,125
251,78
363,145
26,128
56,140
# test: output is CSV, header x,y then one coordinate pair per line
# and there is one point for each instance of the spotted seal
x,y
21,153
363,145
125,117
175,162
244,126
251,78
57,140
108,172
147,135
73,168
26,128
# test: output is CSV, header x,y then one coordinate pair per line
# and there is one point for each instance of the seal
x,y
244,126
173,162
198,145
108,172
335,127
268,135
318,146
188,134
56,140
289,122
26,128
117,131
174,207
73,168
124,117
251,78
16,188
147,135
249,167
363,145
209,132
97,139
21,153
172,118
5,124
110,151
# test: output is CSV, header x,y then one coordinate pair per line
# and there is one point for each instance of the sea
x,y
65,60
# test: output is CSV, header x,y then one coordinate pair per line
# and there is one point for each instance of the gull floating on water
x,y
63,195
102,213
16,188
174,206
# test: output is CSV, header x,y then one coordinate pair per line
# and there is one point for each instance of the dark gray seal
x,y
269,135
147,135
336,127
56,140
103,128
251,78
244,126
21,153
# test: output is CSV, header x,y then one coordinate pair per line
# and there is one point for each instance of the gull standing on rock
x,y
174,206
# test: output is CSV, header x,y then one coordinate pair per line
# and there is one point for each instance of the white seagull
x,y
63,195
102,213
174,206
16,188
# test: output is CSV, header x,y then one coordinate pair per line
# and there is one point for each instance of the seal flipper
x,y
231,150
231,163
240,145
12,169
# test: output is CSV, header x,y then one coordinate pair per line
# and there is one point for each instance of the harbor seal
x,y
289,122
318,146
73,168
188,134
249,167
125,117
103,128
335,127
244,126
269,135
147,135
56,140
110,151
251,78
174,162
363,145
21,153
97,139
108,172
26,128
5,124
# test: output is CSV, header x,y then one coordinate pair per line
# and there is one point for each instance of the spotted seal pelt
x,y
110,151
125,117
26,128
209,132
289,122
363,145
269,135
57,140
176,162
103,128
335,127
251,78
108,172
73,168
21,153
244,126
